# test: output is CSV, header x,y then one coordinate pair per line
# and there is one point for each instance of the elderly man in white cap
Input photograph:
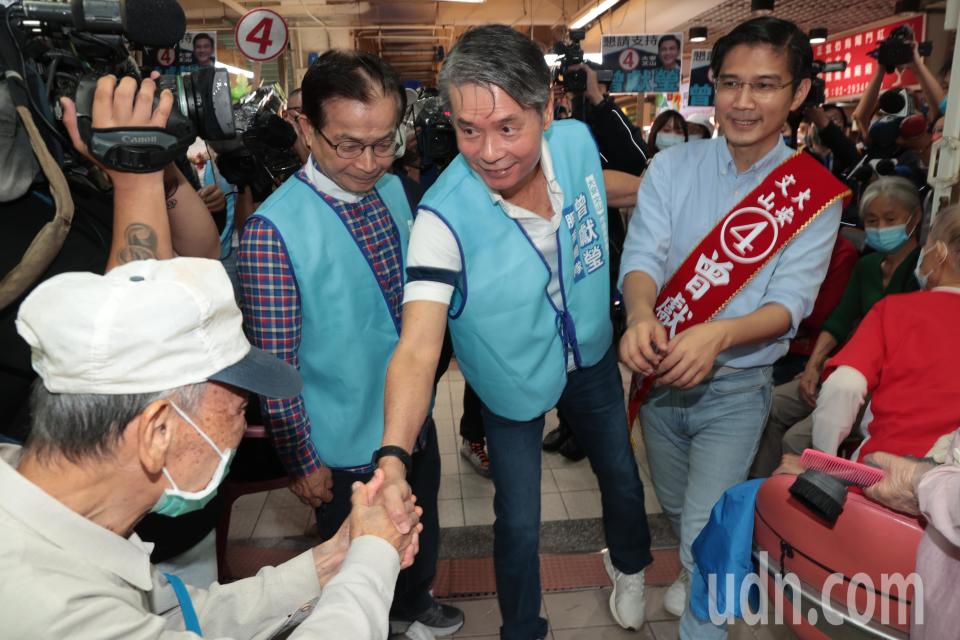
x,y
139,407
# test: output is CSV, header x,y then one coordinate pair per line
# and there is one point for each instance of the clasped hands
x,y
384,507
682,361
371,514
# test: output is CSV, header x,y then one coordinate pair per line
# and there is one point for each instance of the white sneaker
x,y
627,603
675,599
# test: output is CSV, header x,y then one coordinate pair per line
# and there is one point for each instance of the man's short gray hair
x,y
498,55
82,426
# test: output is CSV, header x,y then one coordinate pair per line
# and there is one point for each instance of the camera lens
x,y
208,103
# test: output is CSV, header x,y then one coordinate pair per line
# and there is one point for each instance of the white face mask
x,y
176,502
665,140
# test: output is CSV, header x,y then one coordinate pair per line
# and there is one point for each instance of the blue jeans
x,y
700,442
593,404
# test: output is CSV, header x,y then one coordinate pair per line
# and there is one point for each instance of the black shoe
x,y
571,449
555,439
439,619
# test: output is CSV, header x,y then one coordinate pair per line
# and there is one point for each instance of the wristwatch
x,y
396,452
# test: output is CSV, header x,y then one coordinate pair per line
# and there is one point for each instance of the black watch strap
x,y
396,452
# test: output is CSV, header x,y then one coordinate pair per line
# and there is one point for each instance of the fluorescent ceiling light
x,y
818,35
592,13
234,70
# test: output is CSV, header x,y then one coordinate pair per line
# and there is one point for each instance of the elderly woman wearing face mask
x,y
891,212
904,356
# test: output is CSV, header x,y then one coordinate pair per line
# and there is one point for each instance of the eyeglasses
x,y
353,149
762,89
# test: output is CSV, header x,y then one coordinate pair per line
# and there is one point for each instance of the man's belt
x,y
791,197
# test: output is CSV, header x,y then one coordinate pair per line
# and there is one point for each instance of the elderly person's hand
x,y
789,466
901,476
366,518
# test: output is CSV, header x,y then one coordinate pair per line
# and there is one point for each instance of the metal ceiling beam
x,y
400,38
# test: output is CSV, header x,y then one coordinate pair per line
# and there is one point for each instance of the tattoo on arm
x,y
170,189
141,244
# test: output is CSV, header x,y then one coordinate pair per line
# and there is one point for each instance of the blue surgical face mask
x,y
923,279
176,502
887,239
665,140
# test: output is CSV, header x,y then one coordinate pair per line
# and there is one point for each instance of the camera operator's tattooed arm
x,y
192,230
141,228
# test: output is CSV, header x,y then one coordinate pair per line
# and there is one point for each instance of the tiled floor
x,y
585,615
568,491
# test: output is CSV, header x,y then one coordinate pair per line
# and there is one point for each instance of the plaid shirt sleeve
x,y
272,317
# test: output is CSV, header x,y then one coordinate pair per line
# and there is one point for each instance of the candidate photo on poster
x,y
203,50
643,63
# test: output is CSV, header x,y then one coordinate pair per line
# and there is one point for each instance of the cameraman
x,y
128,213
932,91
620,143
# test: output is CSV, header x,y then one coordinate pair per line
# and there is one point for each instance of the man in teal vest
x,y
510,245
321,270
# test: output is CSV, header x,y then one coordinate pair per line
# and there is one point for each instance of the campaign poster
x,y
701,79
197,49
643,63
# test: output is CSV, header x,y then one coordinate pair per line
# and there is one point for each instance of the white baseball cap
x,y
703,120
144,327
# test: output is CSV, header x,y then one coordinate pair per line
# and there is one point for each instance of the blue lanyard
x,y
186,604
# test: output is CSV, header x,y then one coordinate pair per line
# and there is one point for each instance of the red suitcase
x,y
864,551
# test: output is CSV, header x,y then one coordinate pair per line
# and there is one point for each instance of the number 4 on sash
x,y
745,243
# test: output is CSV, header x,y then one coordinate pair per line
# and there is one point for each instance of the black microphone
x,y
154,23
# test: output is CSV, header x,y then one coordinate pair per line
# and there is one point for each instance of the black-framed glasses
x,y
760,88
350,149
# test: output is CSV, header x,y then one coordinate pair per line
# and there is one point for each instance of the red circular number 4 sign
x,y
166,57
261,34
629,59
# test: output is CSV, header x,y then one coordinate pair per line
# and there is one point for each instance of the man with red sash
x,y
723,259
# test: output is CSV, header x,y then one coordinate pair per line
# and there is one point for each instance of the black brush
x,y
825,495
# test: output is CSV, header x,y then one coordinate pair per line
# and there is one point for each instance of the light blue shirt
x,y
685,192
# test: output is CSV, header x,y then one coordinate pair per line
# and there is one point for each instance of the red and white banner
x,y
853,48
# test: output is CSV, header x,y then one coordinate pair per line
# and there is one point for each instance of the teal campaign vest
x,y
230,194
348,333
510,339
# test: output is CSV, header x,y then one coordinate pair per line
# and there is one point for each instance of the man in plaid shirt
x,y
321,268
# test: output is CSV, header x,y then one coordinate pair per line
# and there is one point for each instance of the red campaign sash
x,y
760,225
